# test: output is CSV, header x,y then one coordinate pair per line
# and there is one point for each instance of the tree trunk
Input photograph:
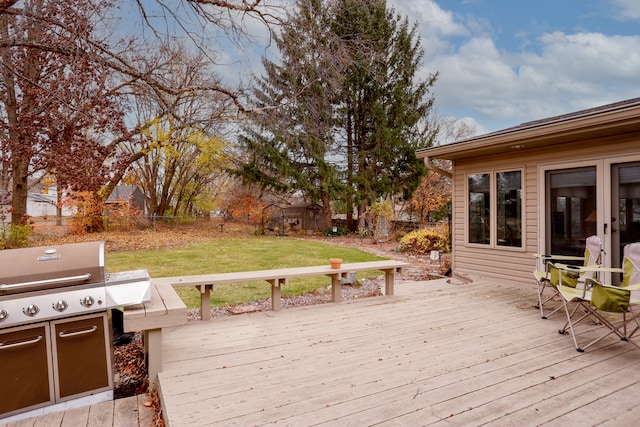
x,y
20,155
362,210
59,207
326,212
351,226
20,190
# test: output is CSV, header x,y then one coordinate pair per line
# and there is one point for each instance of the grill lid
x,y
51,267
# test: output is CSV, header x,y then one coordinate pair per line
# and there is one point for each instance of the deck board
x,y
125,412
434,353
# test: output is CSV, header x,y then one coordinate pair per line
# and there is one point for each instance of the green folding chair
x,y
547,273
616,308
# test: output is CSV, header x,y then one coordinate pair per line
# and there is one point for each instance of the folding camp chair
x,y
547,274
603,302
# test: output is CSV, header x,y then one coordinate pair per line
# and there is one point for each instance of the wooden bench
x,y
165,309
277,277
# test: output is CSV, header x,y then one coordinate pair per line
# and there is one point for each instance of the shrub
x,y
89,213
123,217
423,241
15,236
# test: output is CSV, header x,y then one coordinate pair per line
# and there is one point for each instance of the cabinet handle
x,y
64,334
4,346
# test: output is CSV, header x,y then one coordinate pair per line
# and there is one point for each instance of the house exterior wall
x,y
128,197
40,208
517,264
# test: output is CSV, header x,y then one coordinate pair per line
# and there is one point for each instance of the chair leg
x,y
570,324
542,285
613,328
618,328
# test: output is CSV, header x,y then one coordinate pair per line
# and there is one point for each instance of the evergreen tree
x,y
290,144
384,109
342,114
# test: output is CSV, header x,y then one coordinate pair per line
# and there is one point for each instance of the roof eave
x,y
541,134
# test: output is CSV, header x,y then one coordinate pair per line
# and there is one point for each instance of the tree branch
x,y
6,4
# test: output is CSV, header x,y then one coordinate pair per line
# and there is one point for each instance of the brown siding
x,y
514,264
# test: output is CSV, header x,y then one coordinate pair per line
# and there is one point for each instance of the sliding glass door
x,y
599,197
571,209
625,217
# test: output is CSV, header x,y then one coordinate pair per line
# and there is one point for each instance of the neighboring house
x,y
297,216
38,205
543,187
303,216
127,196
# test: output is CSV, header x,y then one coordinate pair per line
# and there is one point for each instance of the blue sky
x,y
502,62
505,62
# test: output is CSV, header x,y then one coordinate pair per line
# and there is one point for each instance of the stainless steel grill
x,y
55,327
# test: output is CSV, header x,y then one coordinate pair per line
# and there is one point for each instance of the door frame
x,y
604,198
610,203
542,196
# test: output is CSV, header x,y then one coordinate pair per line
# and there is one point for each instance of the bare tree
x,y
57,107
47,124
433,195
180,151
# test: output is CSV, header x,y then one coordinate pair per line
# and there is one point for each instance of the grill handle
x,y
65,334
21,343
56,281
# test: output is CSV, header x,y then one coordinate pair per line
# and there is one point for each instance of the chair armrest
x,y
582,268
546,257
634,287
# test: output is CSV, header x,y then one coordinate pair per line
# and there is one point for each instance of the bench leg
x,y
153,354
205,301
336,289
388,281
276,299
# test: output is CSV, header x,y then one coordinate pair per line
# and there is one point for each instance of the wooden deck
x,y
127,412
434,354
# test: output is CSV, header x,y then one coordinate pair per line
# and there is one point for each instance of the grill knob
x,y
61,305
87,301
3,314
31,310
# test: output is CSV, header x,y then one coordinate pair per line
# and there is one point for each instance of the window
x,y
479,205
495,208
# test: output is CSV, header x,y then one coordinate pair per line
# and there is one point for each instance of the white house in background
x,y
43,205
38,205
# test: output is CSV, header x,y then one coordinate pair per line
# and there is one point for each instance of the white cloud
x,y
592,58
572,71
434,21
552,73
555,74
626,9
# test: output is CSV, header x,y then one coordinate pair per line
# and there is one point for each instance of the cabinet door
x,y
82,356
25,369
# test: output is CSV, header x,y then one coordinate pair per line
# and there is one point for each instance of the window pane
x,y
509,208
479,205
571,209
628,206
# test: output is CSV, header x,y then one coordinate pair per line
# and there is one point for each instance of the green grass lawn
x,y
238,254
